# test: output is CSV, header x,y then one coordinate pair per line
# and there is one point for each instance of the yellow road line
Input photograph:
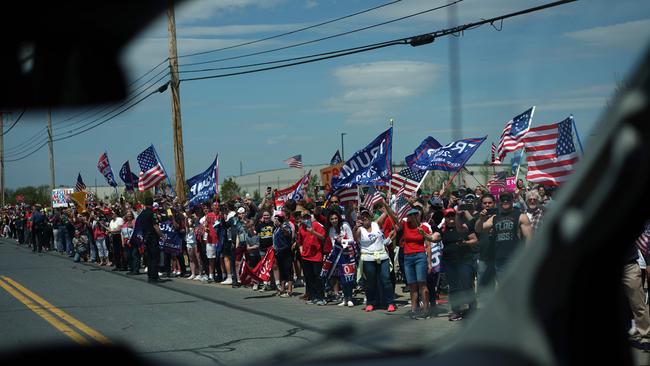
x,y
60,313
63,328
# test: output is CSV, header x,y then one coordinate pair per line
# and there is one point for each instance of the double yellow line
x,y
50,313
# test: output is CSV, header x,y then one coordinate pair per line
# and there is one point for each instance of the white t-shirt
x,y
116,224
372,243
346,234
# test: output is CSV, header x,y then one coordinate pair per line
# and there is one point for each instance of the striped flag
x,y
80,186
643,240
373,196
402,206
551,153
497,180
152,171
409,179
512,137
347,195
494,160
294,161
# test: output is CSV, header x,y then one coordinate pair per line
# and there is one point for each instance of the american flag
x,y
152,172
402,206
373,196
80,186
643,240
512,137
294,161
551,153
494,160
408,179
497,180
347,195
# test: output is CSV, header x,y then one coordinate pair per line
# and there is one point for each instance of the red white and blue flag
x,y
104,167
80,186
551,154
408,179
373,197
512,137
294,161
152,171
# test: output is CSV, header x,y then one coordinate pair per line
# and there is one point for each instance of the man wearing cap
x,y
509,227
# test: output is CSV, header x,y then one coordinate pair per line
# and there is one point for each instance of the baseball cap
x,y
448,211
278,213
241,210
413,211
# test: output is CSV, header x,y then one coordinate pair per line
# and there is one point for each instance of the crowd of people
x,y
454,242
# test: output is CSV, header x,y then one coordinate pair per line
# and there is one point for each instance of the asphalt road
x,y
187,322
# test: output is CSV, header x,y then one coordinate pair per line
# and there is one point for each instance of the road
x,y
46,298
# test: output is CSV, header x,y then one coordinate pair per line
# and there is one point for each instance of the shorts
x,y
227,248
211,251
190,245
415,267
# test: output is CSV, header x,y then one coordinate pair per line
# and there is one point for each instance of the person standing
x,y
151,233
311,236
115,230
38,221
509,228
264,229
282,239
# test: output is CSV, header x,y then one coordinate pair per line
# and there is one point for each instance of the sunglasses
x,y
506,200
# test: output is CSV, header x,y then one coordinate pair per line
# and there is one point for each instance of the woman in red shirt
x,y
417,258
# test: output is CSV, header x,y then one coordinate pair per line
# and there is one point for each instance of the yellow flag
x,y
79,199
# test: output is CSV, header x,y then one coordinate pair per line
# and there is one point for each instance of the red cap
x,y
448,211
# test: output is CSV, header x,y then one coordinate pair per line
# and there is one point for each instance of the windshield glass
x,y
305,179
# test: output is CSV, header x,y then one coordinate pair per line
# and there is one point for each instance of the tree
x,y
229,189
33,195
313,183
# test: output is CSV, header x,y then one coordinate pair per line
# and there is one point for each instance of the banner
x,y
104,167
326,175
79,199
261,272
171,241
430,155
295,192
61,197
368,166
203,186
496,190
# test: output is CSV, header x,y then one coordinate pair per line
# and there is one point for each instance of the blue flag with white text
x,y
203,186
430,155
368,166
171,241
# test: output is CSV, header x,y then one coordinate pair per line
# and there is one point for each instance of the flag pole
x,y
575,128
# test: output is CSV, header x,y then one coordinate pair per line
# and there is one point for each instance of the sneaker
x,y
454,317
205,278
411,315
228,281
423,315
321,302
369,308
391,308
256,287
285,295
211,279
350,304
191,277
310,302
342,303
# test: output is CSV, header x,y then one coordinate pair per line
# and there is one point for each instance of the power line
x,y
327,37
34,140
25,148
159,90
291,32
14,124
413,41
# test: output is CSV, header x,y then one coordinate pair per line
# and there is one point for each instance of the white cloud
x,y
191,11
370,90
311,4
629,35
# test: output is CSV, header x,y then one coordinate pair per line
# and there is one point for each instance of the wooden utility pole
x,y
2,160
51,145
177,126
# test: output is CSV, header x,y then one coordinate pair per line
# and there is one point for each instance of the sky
x,y
565,60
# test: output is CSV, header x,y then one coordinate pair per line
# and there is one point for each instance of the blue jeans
x,y
415,268
58,243
460,277
378,281
485,279
67,241
500,266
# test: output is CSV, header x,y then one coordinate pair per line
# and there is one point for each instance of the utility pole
x,y
454,79
51,145
177,125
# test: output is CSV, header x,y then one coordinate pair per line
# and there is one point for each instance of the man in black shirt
x,y
151,234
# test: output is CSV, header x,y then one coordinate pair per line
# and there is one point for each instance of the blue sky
x,y
564,60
